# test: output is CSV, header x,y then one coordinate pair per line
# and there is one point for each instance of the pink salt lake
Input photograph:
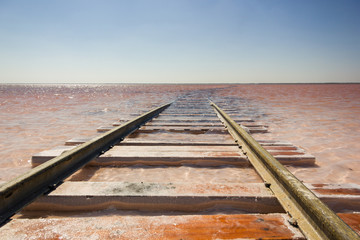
x,y
321,118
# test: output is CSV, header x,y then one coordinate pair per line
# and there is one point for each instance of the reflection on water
x,y
323,119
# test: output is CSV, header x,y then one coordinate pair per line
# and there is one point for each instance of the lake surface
x,y
324,119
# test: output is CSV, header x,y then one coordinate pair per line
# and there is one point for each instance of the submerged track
x,y
189,136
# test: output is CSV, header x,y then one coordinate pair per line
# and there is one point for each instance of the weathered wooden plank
x,y
183,129
177,155
219,130
170,142
123,149
195,124
126,149
339,197
273,143
117,156
197,119
188,114
140,142
177,196
111,225
189,139
277,148
160,174
186,128
180,137
84,196
191,111
179,124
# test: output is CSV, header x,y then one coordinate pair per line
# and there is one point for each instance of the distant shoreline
x,y
57,84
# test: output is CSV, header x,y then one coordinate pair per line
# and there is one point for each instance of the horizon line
x,y
268,83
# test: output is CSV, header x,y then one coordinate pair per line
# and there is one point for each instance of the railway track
x,y
185,170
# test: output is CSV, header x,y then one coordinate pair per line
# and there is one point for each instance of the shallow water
x,y
323,119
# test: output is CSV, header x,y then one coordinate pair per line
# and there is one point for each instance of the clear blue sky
x,y
195,41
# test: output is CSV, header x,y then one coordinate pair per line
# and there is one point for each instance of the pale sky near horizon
x,y
168,41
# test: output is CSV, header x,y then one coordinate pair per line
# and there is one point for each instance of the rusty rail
x,y
307,211
24,189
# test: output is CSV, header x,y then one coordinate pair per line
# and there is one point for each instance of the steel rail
x,y
44,178
307,211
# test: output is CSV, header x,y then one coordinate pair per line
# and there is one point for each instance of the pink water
x,y
323,119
